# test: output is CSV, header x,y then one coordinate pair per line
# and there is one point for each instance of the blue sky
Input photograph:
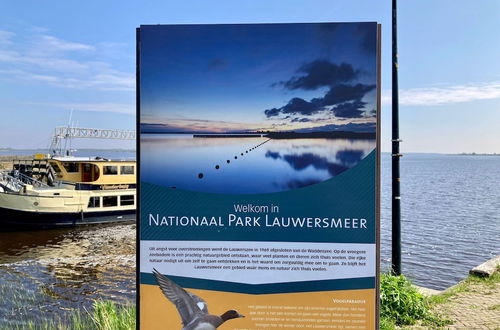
x,y
58,56
241,78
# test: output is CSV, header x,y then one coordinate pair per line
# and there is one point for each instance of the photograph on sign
x,y
258,175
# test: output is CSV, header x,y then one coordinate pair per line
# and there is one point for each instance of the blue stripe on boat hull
x,y
21,219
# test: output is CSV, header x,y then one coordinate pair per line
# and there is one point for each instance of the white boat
x,y
49,191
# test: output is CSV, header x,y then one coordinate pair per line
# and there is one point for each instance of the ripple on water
x,y
451,220
450,215
45,281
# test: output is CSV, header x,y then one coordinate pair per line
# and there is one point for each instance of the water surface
x,y
246,165
47,273
450,210
451,223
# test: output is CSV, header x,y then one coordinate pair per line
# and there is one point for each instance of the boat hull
x,y
19,219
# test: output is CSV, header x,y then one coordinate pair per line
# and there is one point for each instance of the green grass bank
x,y
105,315
473,302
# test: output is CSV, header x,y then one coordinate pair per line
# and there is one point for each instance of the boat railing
x,y
29,180
15,181
9,183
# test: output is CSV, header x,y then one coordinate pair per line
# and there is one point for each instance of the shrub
x,y
400,302
107,316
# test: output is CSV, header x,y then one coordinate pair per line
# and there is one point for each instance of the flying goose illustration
x,y
192,309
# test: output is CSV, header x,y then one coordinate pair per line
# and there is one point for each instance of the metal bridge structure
x,y
61,140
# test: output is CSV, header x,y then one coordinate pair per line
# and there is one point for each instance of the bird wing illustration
x,y
185,302
199,302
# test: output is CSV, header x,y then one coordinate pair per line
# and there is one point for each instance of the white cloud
x,y
6,36
60,63
101,107
8,56
111,81
446,95
126,108
59,44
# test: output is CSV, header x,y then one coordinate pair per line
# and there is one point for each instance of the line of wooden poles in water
x,y
201,175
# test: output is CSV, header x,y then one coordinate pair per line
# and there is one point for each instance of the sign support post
x,y
396,192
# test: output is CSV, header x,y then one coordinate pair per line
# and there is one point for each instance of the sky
x,y
64,57
267,77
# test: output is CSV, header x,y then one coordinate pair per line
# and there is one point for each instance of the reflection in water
x,y
344,159
273,155
349,157
200,164
294,184
300,162
44,274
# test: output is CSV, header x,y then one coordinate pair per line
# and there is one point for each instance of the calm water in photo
x,y
247,165
450,203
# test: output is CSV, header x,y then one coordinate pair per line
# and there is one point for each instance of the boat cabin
x,y
96,171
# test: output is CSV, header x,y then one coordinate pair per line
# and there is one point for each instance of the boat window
x,y
127,169
94,202
55,167
108,201
127,200
110,170
71,167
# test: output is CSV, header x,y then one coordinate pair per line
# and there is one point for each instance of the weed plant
x,y
400,301
105,315
401,304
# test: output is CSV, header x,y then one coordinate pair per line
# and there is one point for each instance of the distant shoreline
x,y
322,135
45,150
280,135
227,135
476,154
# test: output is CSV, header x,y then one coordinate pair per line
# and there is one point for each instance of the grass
x,y
467,285
105,315
16,297
401,304
21,301
387,324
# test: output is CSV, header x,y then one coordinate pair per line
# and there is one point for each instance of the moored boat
x,y
51,191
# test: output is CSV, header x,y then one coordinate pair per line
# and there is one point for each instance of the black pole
x,y
138,171
396,197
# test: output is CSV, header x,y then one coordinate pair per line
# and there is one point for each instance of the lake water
x,y
451,223
450,215
245,165
44,274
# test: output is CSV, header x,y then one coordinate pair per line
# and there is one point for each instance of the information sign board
x,y
259,175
